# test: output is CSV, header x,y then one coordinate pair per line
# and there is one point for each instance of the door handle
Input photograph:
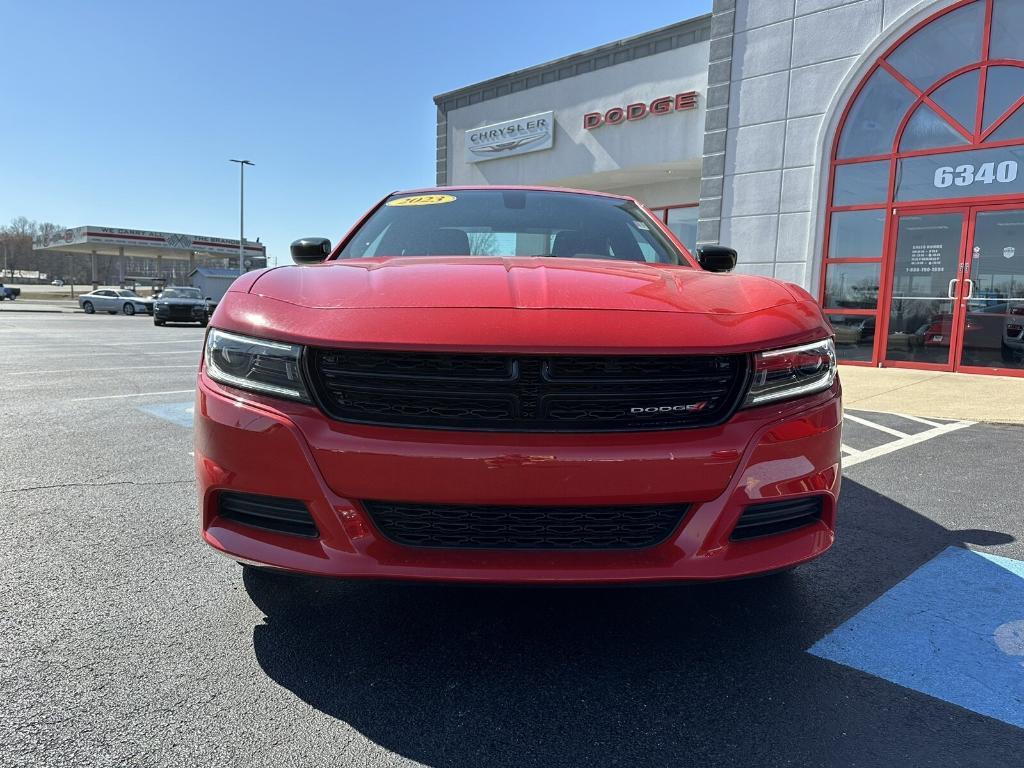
x,y
970,288
949,289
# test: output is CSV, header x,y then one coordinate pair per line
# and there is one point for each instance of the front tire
x,y
129,309
157,322
88,308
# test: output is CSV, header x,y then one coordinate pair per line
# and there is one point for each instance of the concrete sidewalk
x,y
963,396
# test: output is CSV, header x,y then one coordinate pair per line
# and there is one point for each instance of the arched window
x,y
939,116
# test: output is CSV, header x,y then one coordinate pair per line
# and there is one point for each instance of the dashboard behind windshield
x,y
505,223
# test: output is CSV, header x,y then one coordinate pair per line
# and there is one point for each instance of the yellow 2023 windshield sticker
x,y
422,200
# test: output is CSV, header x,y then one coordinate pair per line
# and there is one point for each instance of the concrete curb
x,y
42,311
931,394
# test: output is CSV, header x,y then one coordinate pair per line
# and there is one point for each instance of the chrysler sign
x,y
512,137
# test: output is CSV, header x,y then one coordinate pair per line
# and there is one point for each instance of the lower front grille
x,y
776,517
506,527
270,513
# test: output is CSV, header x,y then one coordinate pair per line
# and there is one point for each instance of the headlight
x,y
269,367
784,373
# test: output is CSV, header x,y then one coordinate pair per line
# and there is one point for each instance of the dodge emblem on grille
x,y
688,408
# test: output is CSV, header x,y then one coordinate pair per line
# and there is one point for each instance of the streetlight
x,y
241,214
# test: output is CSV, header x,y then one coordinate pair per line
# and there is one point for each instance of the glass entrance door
x,y
924,305
993,299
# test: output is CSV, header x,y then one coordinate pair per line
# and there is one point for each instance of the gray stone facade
x,y
784,69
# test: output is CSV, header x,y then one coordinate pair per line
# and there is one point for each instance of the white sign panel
x,y
511,137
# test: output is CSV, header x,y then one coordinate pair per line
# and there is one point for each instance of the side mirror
x,y
311,250
716,258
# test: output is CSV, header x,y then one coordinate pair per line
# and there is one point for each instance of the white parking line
x,y
904,442
61,356
47,343
108,369
192,340
135,394
847,449
880,427
919,420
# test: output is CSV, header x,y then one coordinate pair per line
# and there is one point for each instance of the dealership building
x,y
868,150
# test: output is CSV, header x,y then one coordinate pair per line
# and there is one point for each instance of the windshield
x,y
504,222
181,293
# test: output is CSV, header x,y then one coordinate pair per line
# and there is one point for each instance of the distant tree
x,y
16,244
482,243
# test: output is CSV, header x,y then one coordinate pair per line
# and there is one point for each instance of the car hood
x,y
182,302
518,283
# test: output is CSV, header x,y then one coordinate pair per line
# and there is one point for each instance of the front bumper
x,y
181,315
254,445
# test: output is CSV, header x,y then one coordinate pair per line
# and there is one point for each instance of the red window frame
x,y
975,136
662,210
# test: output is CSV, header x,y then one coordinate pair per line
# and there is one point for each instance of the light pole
x,y
241,213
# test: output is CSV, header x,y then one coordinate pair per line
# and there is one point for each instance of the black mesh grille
x,y
180,312
527,393
501,527
776,517
268,512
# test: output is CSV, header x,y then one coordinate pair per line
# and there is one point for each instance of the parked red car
x,y
517,385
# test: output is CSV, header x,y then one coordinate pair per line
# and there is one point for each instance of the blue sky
x,y
125,113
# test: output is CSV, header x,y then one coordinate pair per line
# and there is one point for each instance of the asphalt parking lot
x,y
125,641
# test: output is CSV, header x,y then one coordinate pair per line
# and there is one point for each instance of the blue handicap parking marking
x,y
176,413
953,629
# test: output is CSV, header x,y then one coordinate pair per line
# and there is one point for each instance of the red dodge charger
x,y
502,384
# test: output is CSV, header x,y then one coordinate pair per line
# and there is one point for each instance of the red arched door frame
x,y
974,137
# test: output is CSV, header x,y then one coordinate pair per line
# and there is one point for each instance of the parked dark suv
x,y
181,305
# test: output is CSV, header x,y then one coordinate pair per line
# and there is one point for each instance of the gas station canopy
x,y
134,245
137,243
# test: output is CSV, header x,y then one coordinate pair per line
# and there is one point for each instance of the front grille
x,y
504,527
776,517
527,393
270,513
181,313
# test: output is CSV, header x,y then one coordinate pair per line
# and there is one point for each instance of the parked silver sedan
x,y
114,300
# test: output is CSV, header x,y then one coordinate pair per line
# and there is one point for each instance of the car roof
x,y
501,187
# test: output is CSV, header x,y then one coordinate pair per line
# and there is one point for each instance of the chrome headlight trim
x,y
257,365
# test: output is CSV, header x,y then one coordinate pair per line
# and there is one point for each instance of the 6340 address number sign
x,y
968,174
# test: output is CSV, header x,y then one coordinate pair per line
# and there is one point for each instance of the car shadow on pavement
x,y
713,674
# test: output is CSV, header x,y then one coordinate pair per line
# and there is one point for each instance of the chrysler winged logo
x,y
652,409
510,137
508,146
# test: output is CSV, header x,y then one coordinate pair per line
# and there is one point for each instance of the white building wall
x,y
658,156
793,65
